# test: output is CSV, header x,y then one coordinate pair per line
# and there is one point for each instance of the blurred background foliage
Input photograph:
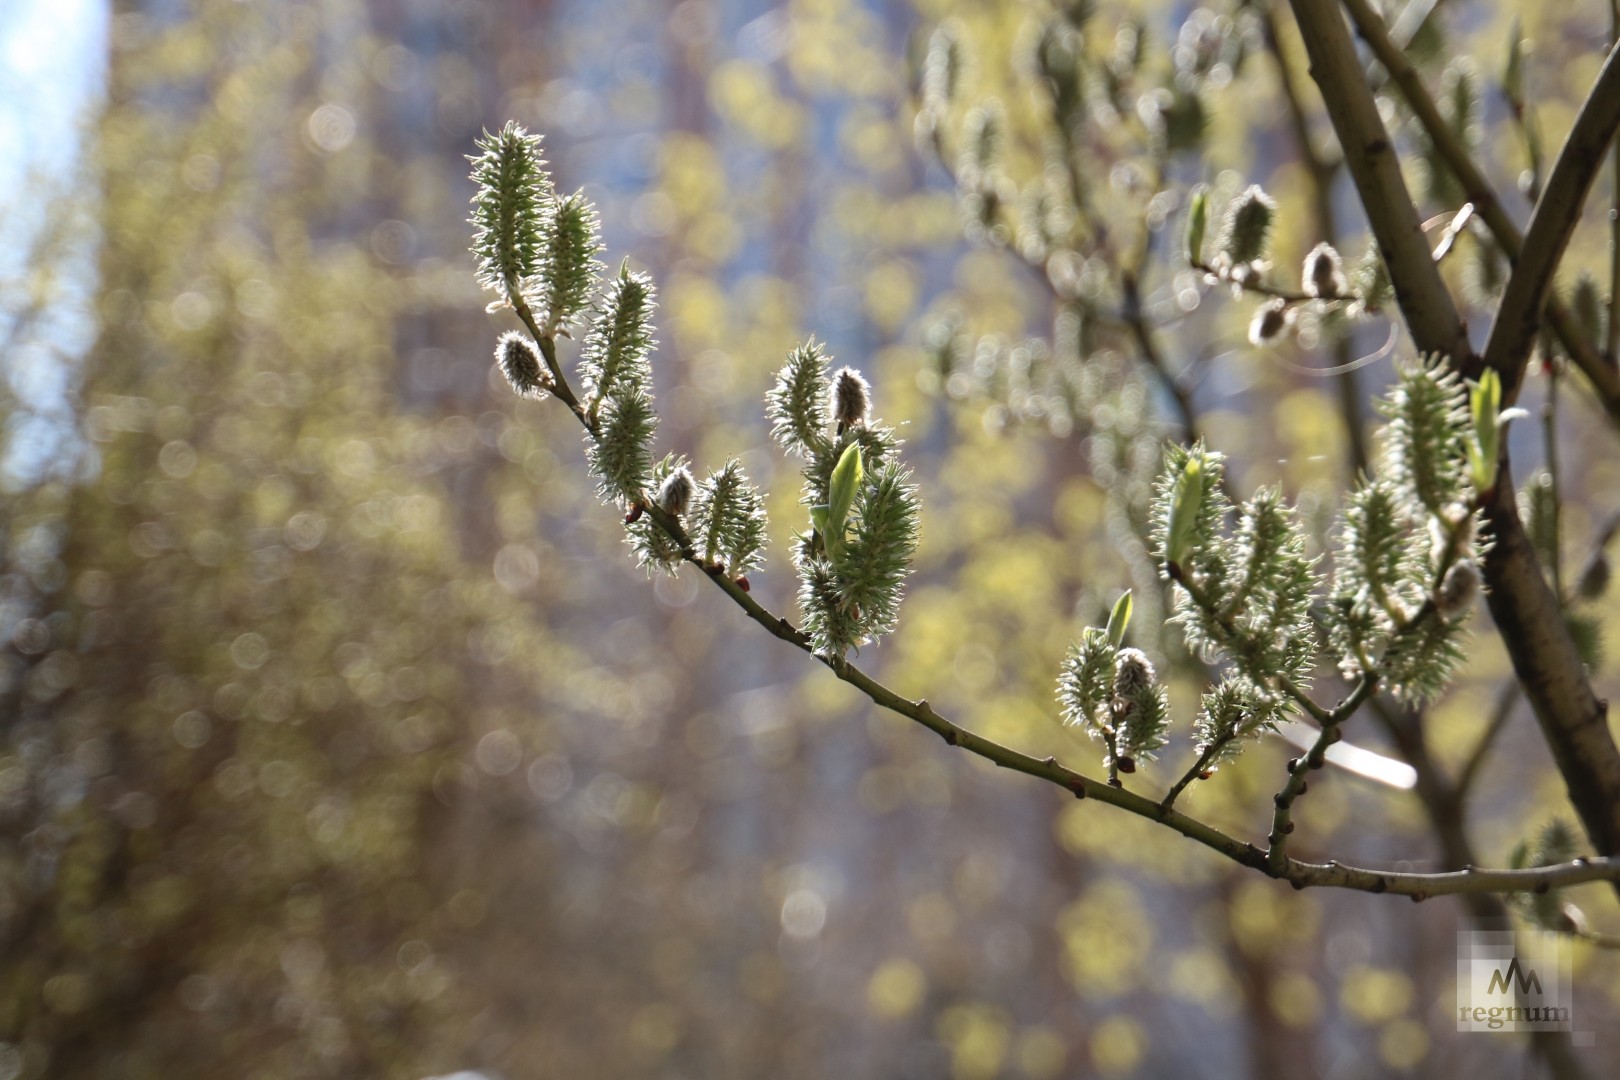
x,y
337,739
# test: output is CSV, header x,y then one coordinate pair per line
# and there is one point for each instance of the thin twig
x,y
1299,874
1431,313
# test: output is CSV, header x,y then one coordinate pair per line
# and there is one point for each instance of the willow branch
x,y
1599,371
1431,313
1298,873
1528,616
1323,169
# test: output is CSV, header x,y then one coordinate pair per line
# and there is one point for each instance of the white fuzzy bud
x,y
675,493
1133,674
520,363
1324,273
1269,322
851,399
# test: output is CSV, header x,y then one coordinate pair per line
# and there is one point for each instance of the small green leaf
x,y
841,489
1184,506
1197,224
1119,619
1485,405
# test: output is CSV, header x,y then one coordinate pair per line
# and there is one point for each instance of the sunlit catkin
x,y
851,399
519,361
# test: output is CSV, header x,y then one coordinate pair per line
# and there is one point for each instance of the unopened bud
x,y
851,399
520,363
1457,590
1197,223
1133,674
1269,322
1324,273
675,492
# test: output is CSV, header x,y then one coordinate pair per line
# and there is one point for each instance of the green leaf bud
x,y
1186,501
1484,406
1119,619
841,490
1197,224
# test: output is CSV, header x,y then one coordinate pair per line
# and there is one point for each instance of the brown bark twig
x,y
1296,872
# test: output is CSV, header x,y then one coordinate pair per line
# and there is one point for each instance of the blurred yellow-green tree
x,y
338,740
